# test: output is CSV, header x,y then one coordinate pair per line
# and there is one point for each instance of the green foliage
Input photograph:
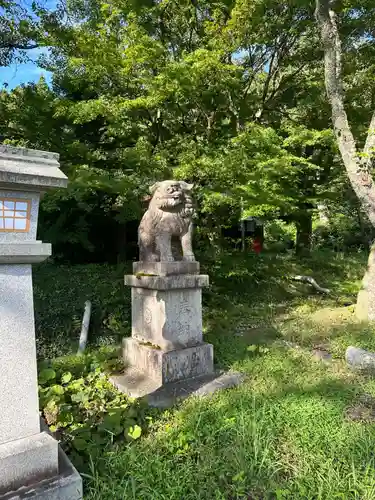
x,y
145,90
344,228
200,90
84,409
279,235
60,293
289,412
17,29
340,234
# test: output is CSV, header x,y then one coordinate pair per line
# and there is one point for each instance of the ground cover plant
x,y
60,293
83,409
300,426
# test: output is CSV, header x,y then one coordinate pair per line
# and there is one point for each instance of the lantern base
x,y
66,484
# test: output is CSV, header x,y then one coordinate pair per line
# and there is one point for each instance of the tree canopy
x,y
228,94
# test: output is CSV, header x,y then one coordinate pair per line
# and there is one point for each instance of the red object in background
x,y
257,245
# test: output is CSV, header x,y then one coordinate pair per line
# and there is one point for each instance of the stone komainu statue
x,y
169,214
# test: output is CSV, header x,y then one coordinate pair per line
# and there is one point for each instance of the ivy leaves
x,y
86,411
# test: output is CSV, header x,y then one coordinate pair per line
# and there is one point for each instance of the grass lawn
x,y
297,428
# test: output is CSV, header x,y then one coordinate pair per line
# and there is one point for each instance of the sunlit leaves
x,y
226,93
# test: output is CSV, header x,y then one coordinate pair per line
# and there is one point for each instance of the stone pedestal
x,y
167,342
166,355
28,456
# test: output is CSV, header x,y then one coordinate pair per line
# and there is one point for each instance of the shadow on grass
x,y
283,435
236,274
242,287
252,301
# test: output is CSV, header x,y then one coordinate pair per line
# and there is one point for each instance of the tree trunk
x,y
358,168
365,237
365,309
304,234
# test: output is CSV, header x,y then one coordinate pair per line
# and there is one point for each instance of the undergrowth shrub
x,y
84,410
60,293
342,233
279,236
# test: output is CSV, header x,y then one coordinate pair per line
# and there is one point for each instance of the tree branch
x,y
368,149
360,179
310,280
17,46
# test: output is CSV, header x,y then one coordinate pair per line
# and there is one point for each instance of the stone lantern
x,y
31,463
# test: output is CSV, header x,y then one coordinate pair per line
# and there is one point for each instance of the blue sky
x,y
18,73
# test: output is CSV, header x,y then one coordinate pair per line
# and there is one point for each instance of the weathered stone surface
x,y
24,252
27,461
167,282
67,485
220,382
19,415
30,169
166,268
31,155
360,358
137,384
166,357
169,319
169,215
168,366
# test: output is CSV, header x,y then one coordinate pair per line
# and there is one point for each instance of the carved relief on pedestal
x,y
147,316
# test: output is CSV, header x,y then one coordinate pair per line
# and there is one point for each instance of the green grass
x,y
284,433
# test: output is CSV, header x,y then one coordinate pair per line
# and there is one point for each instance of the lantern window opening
x,y
14,215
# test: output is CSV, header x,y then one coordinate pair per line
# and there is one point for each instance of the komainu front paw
x,y
189,257
167,258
